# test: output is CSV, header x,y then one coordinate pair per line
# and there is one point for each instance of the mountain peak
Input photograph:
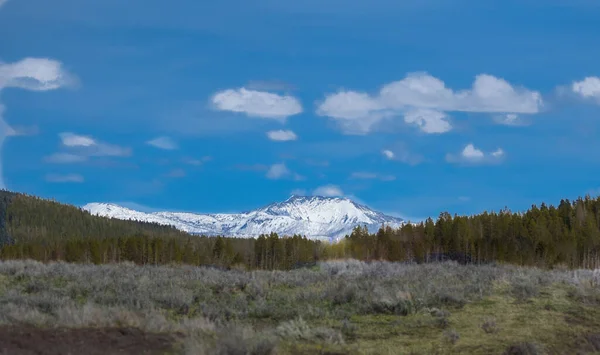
x,y
317,217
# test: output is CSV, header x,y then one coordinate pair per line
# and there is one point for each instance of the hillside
x,y
45,230
317,217
26,218
546,236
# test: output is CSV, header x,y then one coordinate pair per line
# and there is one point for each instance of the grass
x,y
340,307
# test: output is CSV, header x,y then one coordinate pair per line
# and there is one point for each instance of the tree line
x,y
544,236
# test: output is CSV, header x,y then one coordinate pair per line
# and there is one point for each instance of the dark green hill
x,y
25,218
545,236
45,230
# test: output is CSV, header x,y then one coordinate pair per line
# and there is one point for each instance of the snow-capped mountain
x,y
317,217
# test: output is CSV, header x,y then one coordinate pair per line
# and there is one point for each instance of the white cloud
x,y
588,88
429,121
257,103
196,162
88,146
82,147
108,150
2,2
24,131
282,135
388,154
498,153
163,143
470,152
278,171
488,94
37,74
370,176
473,155
402,154
5,132
328,191
76,178
65,158
359,112
74,140
510,119
355,113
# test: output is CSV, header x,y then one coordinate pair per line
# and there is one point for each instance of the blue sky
x,y
411,107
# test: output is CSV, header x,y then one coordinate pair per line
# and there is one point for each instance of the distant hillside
x,y
317,217
545,236
26,218
5,201
45,230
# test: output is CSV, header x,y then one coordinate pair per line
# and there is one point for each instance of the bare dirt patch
x,y
89,341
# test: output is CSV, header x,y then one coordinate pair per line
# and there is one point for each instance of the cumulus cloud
x,y
65,158
74,140
328,191
388,154
37,74
165,143
473,155
24,131
470,152
510,119
282,136
255,103
88,146
5,132
588,88
355,113
82,147
371,176
76,178
498,153
280,171
358,113
402,154
196,162
429,121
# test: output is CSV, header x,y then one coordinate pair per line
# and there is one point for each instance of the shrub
x,y
489,326
300,330
525,348
523,289
348,329
451,336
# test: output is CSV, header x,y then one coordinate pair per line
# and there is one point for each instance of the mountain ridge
x,y
316,217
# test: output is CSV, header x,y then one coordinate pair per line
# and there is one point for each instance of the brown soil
x,y
88,341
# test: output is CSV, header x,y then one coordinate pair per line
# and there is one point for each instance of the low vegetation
x,y
336,307
530,285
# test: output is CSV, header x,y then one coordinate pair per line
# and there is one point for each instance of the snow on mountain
x,y
316,217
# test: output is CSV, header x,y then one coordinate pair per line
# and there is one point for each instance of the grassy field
x,y
344,307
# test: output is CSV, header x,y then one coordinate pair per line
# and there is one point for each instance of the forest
x,y
567,235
